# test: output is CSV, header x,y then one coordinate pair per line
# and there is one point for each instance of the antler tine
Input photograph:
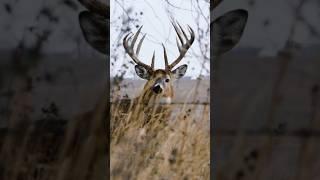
x,y
139,45
184,46
185,35
192,35
135,38
130,49
152,61
179,48
125,42
165,58
177,31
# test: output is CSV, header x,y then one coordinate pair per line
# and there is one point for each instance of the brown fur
x,y
149,97
147,105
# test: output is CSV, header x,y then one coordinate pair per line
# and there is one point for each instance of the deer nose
x,y
157,89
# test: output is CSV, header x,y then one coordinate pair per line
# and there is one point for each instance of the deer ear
x,y
180,71
95,30
227,30
142,72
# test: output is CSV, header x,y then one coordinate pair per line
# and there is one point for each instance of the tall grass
x,y
159,142
172,144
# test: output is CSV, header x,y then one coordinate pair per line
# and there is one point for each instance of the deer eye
x,y
167,80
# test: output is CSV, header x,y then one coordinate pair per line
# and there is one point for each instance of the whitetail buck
x,y
159,85
158,91
225,32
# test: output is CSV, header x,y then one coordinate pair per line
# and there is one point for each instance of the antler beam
x,y
130,49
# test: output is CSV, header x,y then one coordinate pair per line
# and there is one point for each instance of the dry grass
x,y
176,147
158,145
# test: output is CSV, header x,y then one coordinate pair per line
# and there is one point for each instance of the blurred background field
x,y
186,89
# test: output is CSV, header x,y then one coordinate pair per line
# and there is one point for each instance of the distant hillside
x,y
184,88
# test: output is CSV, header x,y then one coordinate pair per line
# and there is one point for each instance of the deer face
x,y
159,81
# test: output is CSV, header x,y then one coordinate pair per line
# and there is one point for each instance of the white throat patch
x,y
165,100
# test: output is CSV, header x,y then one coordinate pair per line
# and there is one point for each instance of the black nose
x,y
157,89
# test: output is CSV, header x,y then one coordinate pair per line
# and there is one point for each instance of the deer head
x,y
160,81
